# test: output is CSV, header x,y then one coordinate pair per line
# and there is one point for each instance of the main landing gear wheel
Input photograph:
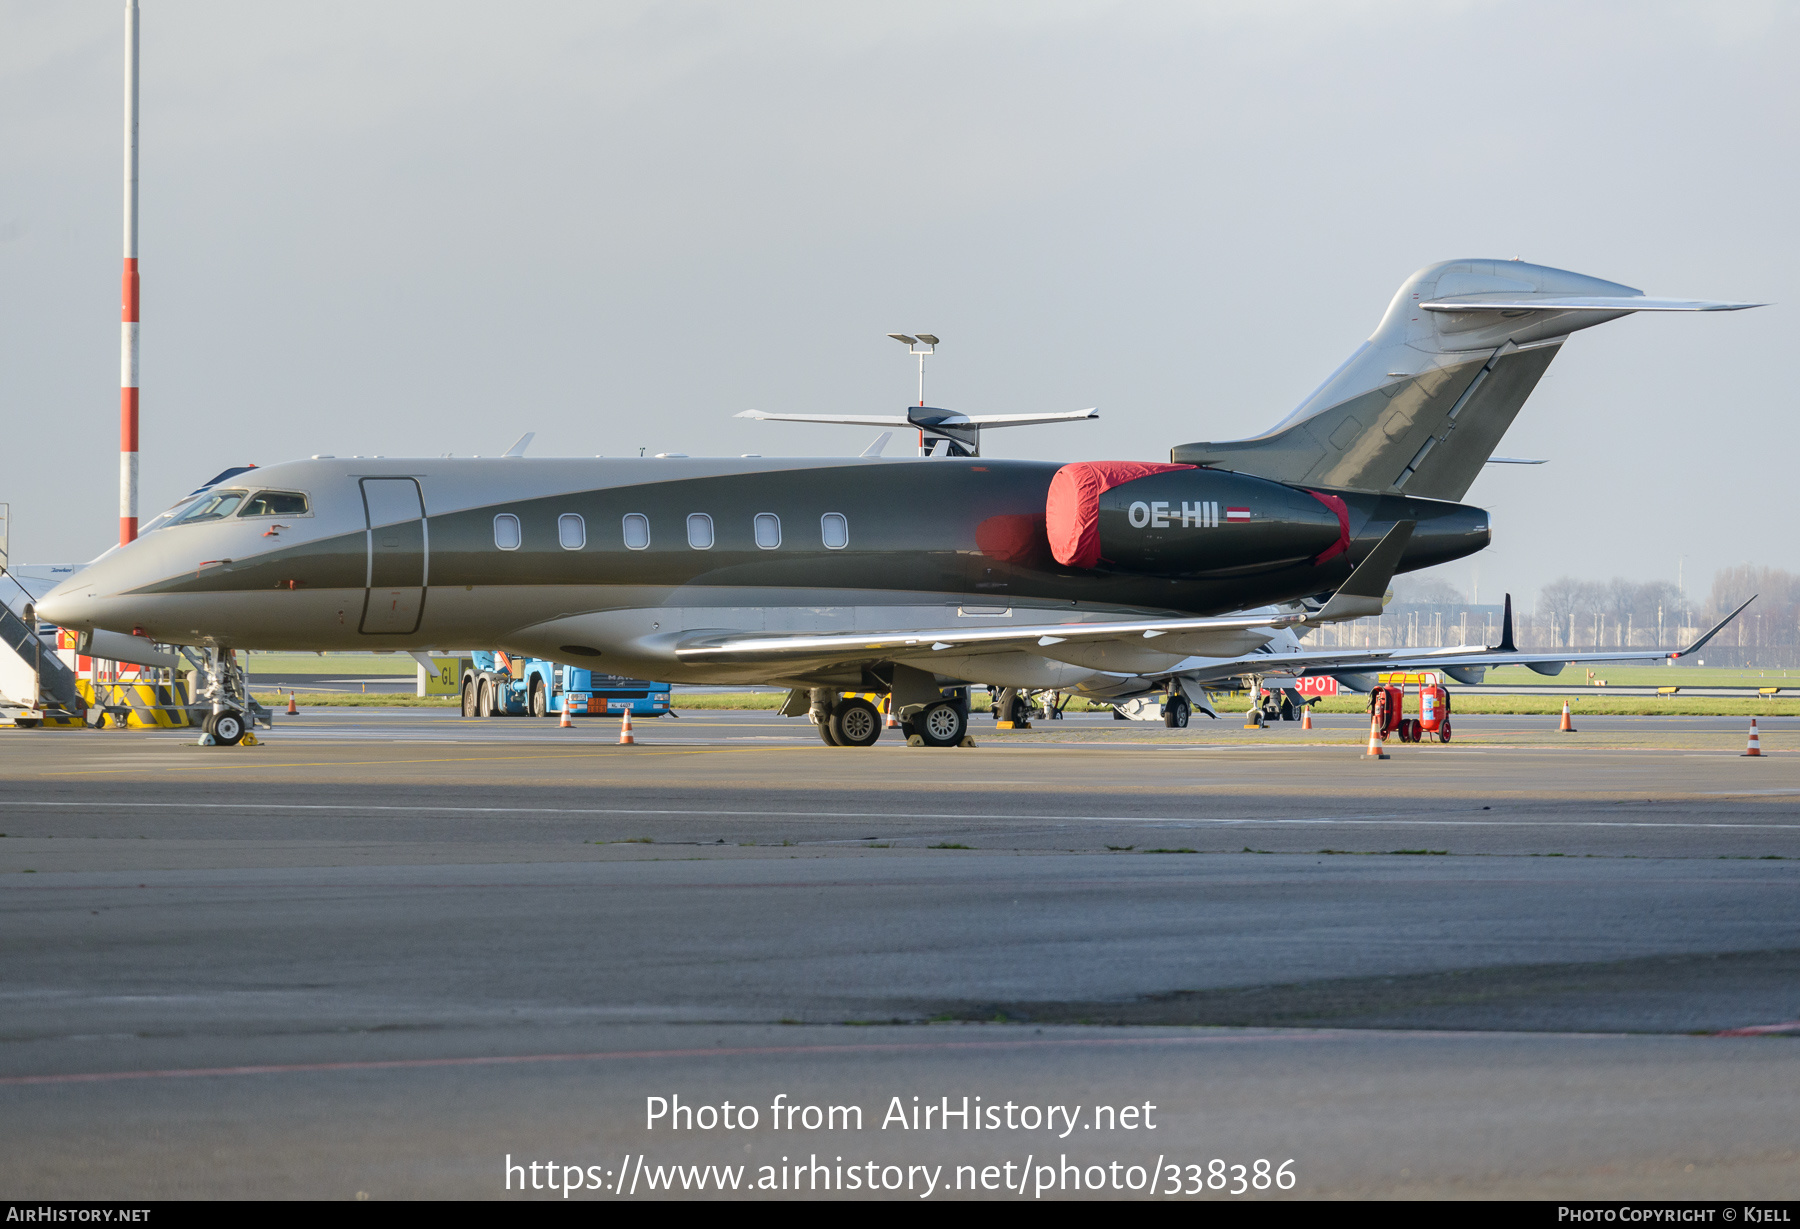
x,y
1175,713
540,706
468,697
855,723
226,728
825,734
942,724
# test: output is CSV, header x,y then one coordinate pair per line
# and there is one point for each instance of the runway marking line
x,y
895,1047
1157,822
462,759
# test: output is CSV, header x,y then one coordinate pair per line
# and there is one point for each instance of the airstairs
x,y
34,682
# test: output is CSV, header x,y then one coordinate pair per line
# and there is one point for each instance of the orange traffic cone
x,y
1306,717
1755,747
887,704
293,709
567,722
1568,726
625,738
1375,752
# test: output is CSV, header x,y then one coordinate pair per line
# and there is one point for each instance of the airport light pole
x,y
912,347
128,294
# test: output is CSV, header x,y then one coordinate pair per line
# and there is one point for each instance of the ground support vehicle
x,y
501,684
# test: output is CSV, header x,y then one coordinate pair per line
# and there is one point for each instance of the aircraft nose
x,y
70,604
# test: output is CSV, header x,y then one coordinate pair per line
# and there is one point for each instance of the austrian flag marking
x,y
1237,514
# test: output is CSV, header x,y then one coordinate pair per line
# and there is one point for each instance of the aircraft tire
x,y
227,729
942,724
825,734
855,723
1175,716
468,696
540,704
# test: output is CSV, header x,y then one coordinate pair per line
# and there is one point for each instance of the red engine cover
x,y
1072,510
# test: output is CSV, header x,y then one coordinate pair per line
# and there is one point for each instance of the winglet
x,y
1360,596
881,441
518,449
1506,644
1717,628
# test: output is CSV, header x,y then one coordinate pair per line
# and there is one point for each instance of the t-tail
x,y
1422,405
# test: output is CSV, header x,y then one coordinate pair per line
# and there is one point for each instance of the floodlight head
x,y
903,337
928,339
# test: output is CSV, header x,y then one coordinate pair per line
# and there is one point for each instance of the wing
x,y
937,418
1450,658
741,648
1359,595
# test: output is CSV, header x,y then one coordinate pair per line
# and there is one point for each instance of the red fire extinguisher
x,y
1433,705
1385,703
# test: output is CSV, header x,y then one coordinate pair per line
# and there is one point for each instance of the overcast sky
x,y
418,228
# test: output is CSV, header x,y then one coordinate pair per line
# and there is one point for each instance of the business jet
x,y
908,576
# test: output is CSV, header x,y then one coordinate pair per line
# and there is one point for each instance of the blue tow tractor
x,y
501,684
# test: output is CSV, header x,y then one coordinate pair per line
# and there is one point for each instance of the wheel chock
x,y
967,741
207,740
913,740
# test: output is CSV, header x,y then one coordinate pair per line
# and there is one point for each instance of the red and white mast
x,y
128,316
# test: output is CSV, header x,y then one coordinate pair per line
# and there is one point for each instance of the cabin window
x,y
214,507
637,531
571,531
768,530
835,529
506,531
276,503
700,531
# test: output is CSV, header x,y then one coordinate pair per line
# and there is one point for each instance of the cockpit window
x,y
167,515
212,507
275,503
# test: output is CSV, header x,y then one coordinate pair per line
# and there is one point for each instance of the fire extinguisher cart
x,y
1433,720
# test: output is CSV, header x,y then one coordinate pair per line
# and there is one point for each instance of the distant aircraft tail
x,y
1422,405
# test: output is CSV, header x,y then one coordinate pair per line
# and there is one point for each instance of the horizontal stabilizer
x,y
1581,303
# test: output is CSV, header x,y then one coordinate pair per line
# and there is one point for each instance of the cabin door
x,y
397,556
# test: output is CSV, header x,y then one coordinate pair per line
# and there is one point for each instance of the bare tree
x,y
1777,594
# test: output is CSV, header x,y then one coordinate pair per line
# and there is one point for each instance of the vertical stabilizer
x,y
1422,405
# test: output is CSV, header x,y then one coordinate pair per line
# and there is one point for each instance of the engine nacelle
x,y
1181,520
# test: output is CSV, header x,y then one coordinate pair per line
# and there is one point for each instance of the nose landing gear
x,y
221,683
